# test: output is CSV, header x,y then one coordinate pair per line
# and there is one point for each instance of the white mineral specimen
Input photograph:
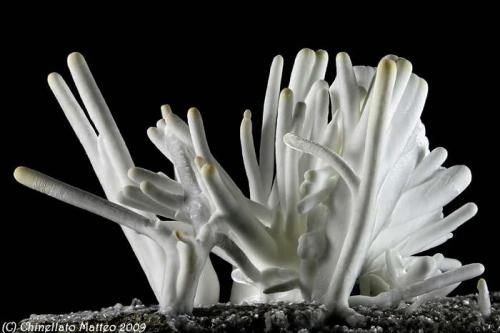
x,y
345,191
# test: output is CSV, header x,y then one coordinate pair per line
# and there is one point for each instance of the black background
x,y
56,258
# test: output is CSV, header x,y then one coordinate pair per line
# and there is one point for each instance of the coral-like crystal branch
x,y
343,191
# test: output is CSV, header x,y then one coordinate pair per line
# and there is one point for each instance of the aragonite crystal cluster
x,y
344,191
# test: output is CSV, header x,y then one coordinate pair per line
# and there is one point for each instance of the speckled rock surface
x,y
451,314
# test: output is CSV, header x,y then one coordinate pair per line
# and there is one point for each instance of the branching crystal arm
x,y
82,199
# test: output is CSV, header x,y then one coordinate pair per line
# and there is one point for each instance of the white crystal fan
x,y
344,191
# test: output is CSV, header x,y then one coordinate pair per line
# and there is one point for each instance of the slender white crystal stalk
x,y
463,273
429,164
198,134
319,70
483,298
316,110
321,108
299,115
348,94
75,115
301,73
82,199
405,69
187,271
99,113
284,123
291,194
430,233
250,158
266,154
